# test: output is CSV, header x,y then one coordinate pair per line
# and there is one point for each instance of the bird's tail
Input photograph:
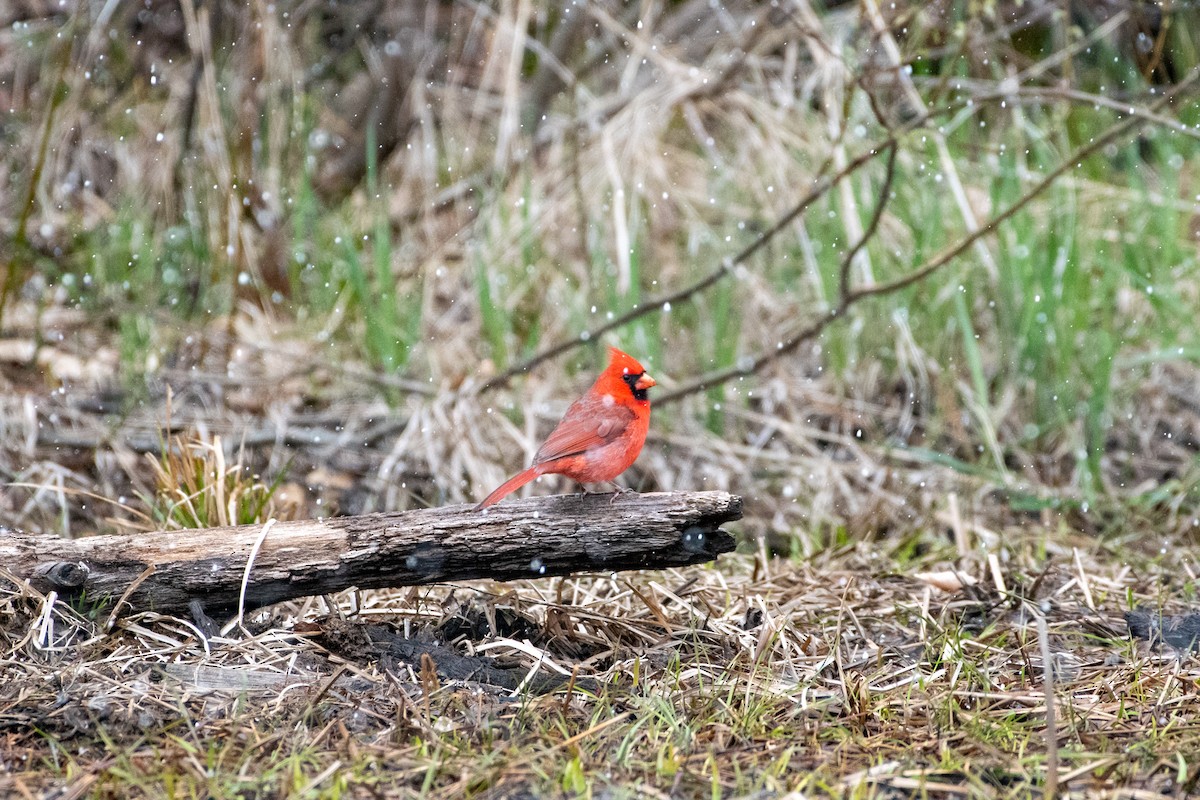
x,y
509,486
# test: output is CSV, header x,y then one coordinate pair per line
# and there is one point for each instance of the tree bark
x,y
537,537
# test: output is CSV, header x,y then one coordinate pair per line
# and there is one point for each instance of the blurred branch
x,y
1160,39
686,292
885,194
728,265
305,437
1036,13
1008,91
1066,53
848,299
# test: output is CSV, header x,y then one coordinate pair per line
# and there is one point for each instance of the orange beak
x,y
645,382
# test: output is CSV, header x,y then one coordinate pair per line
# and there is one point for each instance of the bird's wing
x,y
588,423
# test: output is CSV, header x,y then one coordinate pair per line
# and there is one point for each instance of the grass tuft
x,y
196,487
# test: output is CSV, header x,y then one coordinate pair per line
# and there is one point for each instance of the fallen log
x,y
537,537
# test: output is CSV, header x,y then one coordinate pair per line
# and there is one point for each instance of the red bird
x,y
601,434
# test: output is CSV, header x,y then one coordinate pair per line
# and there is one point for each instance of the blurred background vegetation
x,y
317,234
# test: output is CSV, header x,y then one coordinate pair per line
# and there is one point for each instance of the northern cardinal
x,y
601,434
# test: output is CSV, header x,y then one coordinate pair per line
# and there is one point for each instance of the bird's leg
x,y
619,491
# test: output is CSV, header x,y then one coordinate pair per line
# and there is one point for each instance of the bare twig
x,y
1009,91
133,586
1160,39
688,291
743,368
1070,162
727,266
1067,53
1033,16
885,194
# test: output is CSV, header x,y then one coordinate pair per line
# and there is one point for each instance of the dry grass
x,y
860,671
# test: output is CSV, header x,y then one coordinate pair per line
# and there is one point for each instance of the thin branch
x,y
1160,40
976,42
753,366
1070,162
727,373
726,266
885,194
683,294
1074,49
720,376
1008,91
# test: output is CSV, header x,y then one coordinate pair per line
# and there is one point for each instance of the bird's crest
x,y
623,363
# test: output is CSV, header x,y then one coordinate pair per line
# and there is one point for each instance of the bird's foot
x,y
619,491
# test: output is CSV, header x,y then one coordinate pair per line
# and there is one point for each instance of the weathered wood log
x,y
537,537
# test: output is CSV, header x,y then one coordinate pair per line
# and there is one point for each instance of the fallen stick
x,y
536,537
